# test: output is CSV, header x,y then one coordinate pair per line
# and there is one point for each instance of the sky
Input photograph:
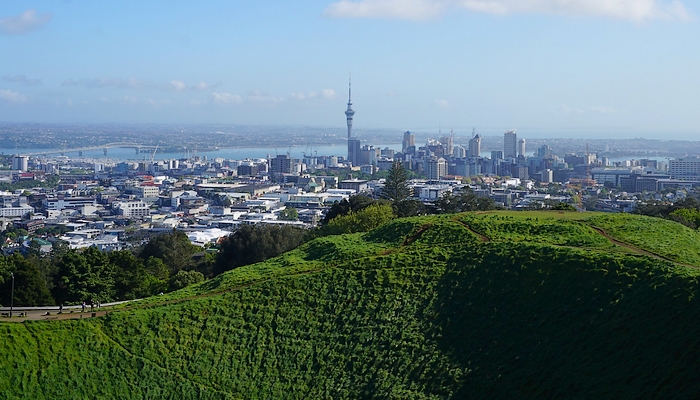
x,y
545,67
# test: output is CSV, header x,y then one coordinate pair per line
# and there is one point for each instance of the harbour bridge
x,y
140,148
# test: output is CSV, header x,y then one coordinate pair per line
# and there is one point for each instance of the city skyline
x,y
590,69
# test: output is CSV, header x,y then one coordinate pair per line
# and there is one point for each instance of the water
x,y
236,153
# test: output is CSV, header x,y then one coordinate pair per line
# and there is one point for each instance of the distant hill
x,y
482,306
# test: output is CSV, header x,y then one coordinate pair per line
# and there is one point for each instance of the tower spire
x,y
349,112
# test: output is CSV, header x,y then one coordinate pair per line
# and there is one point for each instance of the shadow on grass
x,y
523,321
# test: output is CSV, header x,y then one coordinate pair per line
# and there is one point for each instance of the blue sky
x,y
545,67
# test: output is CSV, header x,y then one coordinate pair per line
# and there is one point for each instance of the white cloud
x,y
205,86
442,103
12,97
128,100
328,94
571,110
603,110
635,10
136,83
226,98
157,102
178,85
398,9
129,83
201,86
261,97
28,21
22,80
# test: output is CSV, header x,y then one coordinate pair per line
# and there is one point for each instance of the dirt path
x,y
483,238
637,249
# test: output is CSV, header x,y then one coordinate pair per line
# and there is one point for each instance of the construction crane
x,y
153,155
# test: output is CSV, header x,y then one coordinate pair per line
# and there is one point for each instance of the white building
x,y
14,206
685,169
20,163
435,168
132,209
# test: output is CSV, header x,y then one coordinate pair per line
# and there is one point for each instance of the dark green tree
x,y
185,278
174,248
84,275
360,221
131,279
255,243
396,185
30,285
466,200
408,208
354,203
289,214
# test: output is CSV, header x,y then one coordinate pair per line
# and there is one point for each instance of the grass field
x,y
487,305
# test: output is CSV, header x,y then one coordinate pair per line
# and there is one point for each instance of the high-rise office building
x,y
459,152
544,151
510,141
474,146
20,163
447,145
281,164
521,147
354,151
435,168
409,140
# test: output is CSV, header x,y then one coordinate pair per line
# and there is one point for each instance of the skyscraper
x,y
510,142
474,146
409,140
447,144
354,151
521,147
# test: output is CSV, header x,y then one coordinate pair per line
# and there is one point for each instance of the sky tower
x,y
353,143
349,112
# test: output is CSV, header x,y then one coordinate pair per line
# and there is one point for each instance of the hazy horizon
x,y
591,67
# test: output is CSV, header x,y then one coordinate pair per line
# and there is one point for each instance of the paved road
x,y
20,314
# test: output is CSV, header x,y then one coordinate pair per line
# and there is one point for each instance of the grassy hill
x,y
488,305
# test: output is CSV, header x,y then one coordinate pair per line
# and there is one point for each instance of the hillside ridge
x,y
487,305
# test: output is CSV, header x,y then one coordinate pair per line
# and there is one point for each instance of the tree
x,y
289,214
466,200
408,208
396,184
255,243
130,275
30,285
185,278
84,275
354,203
174,248
360,221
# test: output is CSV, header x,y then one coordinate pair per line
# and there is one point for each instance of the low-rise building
x,y
131,209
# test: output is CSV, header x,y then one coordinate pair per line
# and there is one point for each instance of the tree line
x,y
170,261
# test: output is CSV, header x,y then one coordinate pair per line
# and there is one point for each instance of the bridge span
x,y
103,147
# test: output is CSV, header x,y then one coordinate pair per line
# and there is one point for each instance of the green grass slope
x,y
489,305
